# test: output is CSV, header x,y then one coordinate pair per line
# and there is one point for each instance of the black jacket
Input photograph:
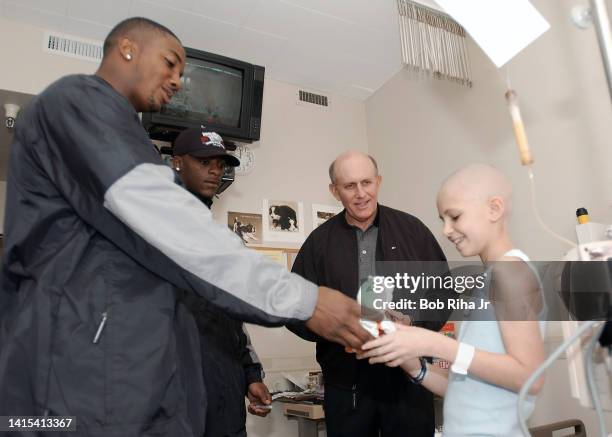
x,y
98,238
229,364
228,367
328,257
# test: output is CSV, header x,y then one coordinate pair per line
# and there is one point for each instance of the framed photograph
x,y
322,213
246,225
283,220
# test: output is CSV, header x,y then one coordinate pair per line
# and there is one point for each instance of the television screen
x,y
211,93
220,93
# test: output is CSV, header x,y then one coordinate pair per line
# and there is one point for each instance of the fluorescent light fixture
x,y
502,28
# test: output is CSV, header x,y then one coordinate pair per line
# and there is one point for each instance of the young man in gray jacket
x,y
98,238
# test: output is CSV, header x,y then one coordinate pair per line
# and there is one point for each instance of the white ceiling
x,y
349,47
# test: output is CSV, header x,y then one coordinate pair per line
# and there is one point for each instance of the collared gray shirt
x,y
366,252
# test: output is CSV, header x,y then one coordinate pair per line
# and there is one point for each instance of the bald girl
x,y
475,204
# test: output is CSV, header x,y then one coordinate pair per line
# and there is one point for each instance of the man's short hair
x,y
130,24
332,174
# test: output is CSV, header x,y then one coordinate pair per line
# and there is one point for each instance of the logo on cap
x,y
212,139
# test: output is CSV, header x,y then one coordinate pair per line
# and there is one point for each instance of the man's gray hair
x,y
332,174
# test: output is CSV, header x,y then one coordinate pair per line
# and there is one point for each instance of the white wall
x,y
298,142
27,68
422,130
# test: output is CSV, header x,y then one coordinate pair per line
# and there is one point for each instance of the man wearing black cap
x,y
231,368
200,158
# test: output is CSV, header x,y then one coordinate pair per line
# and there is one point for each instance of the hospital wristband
x,y
465,355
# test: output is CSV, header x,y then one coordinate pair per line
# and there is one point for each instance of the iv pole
x,y
601,20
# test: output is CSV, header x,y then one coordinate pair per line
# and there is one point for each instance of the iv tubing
x,y
537,214
540,370
591,380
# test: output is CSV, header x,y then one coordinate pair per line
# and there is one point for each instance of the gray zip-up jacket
x,y
98,236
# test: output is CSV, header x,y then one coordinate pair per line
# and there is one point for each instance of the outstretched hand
x,y
396,348
259,396
336,318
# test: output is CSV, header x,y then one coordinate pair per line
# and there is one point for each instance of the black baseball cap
x,y
201,144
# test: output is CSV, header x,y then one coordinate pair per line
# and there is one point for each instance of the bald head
x,y
355,183
350,159
478,182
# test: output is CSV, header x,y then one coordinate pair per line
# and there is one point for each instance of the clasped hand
x,y
399,348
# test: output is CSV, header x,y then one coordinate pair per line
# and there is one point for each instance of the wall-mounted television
x,y
223,94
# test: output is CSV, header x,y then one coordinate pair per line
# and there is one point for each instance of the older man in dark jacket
x,y
363,400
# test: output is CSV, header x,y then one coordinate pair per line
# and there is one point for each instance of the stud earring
x,y
128,57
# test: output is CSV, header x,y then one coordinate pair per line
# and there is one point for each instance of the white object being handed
x,y
378,328
375,328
